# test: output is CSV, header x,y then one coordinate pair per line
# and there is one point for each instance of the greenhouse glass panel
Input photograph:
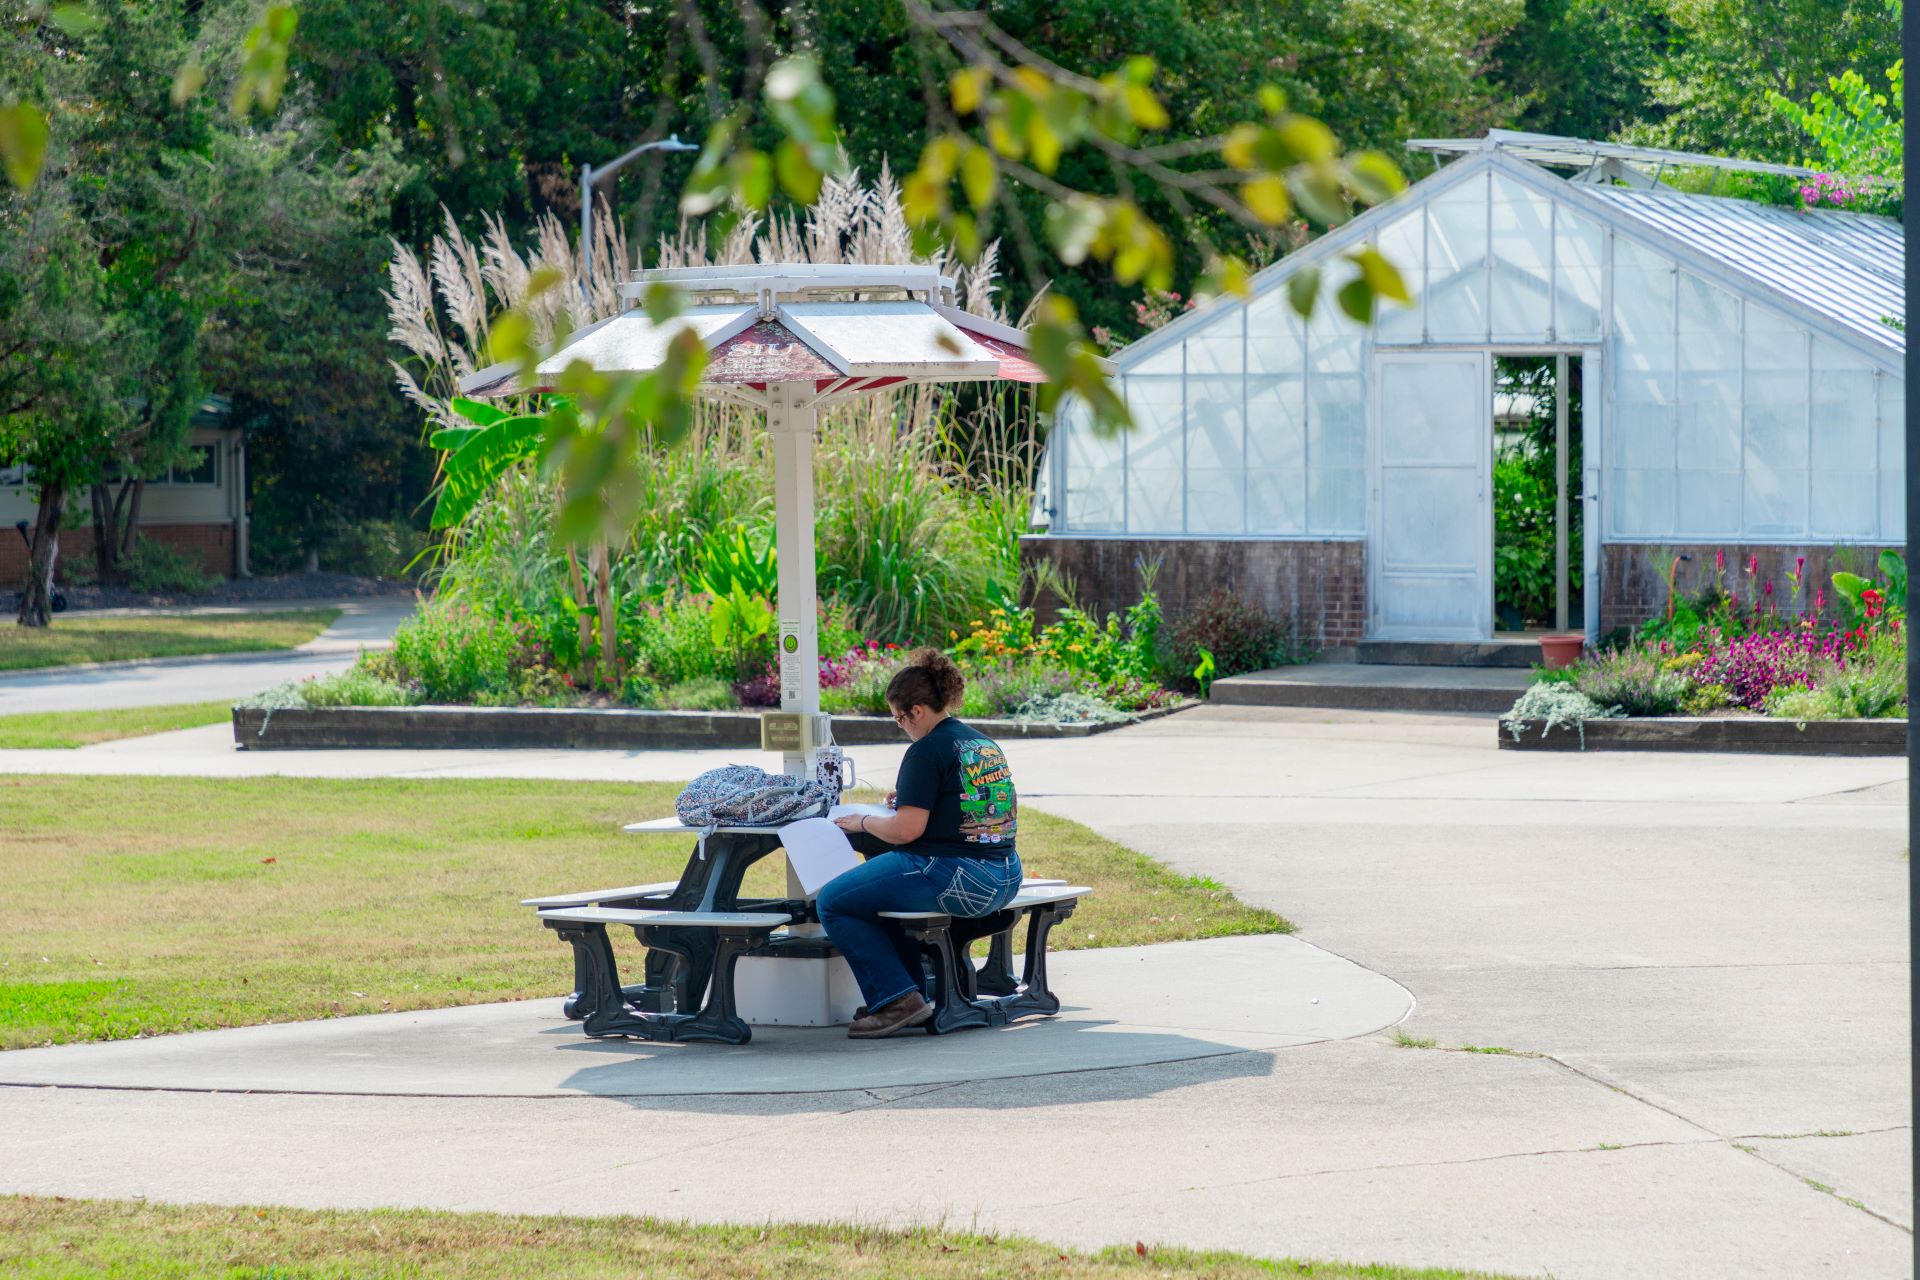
x,y
1403,243
1893,459
1774,404
1578,246
1642,359
1336,423
1096,475
1276,417
1156,452
1522,263
1707,413
1216,427
1844,444
1457,264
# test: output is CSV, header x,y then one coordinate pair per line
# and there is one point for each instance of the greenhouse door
x,y
1432,519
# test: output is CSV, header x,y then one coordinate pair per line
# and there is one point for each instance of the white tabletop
x,y
654,825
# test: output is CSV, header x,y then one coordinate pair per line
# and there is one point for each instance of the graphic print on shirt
x,y
988,807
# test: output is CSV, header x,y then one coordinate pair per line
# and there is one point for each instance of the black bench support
x,y
956,1005
602,1006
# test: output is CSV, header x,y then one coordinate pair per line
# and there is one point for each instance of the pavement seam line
x,y
1819,1187
1394,1167
1628,1093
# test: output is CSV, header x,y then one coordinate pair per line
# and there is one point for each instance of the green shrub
x,y
374,548
704,693
995,692
639,692
1869,685
457,654
1241,637
157,569
356,687
862,687
1069,707
1523,516
1637,681
672,642
1702,699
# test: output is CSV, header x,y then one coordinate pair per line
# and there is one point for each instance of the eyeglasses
x,y
901,717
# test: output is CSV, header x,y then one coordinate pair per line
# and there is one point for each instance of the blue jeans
x,y
885,962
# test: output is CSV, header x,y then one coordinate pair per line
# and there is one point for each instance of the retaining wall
x,y
1320,585
1634,574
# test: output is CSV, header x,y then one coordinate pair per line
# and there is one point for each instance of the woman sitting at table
x,y
951,846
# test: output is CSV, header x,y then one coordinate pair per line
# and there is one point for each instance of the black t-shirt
x,y
961,779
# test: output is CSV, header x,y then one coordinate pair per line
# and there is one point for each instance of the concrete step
x,y
1373,686
1510,652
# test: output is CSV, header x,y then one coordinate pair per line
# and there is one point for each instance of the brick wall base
x,y
211,545
1633,575
1320,586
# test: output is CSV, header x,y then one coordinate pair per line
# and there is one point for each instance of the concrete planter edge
x,y
582,728
1736,735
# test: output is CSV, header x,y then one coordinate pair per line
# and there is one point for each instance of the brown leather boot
x,y
910,1010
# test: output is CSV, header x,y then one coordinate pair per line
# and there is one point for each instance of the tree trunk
x,y
584,616
106,564
609,622
132,525
36,597
116,515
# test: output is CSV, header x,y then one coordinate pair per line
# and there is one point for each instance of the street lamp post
x,y
590,175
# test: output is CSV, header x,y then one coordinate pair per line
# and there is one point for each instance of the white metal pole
x,y
790,421
586,241
1560,493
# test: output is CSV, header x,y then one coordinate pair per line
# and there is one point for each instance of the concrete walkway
x,y
1697,970
365,623
1123,1007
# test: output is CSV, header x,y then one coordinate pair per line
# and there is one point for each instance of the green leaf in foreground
x,y
23,142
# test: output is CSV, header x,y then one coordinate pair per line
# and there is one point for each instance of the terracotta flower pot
x,y
1560,651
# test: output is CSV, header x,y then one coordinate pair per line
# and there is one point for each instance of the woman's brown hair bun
x,y
930,679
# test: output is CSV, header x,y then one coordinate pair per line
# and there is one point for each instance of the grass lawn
x,y
172,635
187,903
38,729
41,1239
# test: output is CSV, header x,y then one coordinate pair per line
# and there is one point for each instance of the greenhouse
x,y
1717,379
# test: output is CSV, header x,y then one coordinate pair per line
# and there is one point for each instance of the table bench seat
x,y
594,897
750,921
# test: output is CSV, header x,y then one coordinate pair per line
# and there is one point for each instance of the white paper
x,y
859,811
817,851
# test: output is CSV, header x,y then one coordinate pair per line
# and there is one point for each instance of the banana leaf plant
x,y
474,459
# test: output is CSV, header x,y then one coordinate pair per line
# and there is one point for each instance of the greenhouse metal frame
x,y
1746,360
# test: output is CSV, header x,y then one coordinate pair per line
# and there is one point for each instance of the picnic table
x,y
696,930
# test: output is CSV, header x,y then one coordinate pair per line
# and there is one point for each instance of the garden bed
x,y
586,728
1758,735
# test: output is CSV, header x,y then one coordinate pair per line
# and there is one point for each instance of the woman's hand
x,y
893,799
848,822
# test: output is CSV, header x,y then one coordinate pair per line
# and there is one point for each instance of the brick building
x,y
199,509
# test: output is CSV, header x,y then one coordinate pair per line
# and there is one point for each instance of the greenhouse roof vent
x,y
1600,163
